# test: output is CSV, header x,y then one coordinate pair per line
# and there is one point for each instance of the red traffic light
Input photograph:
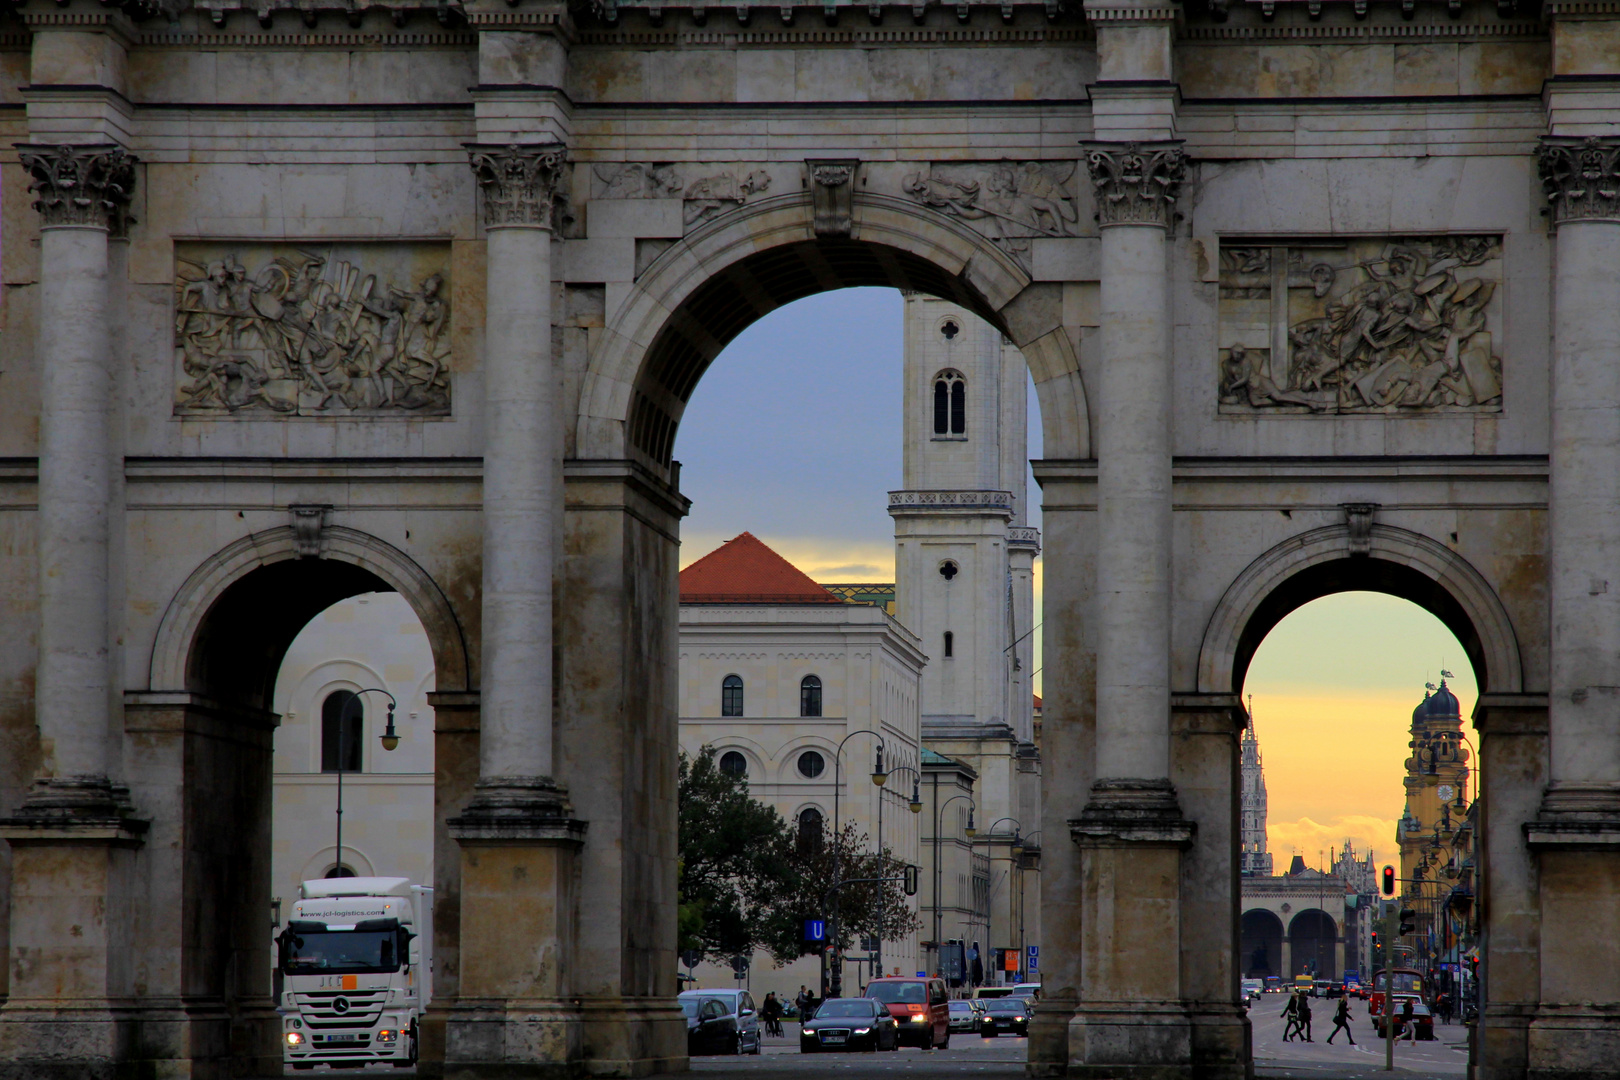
x,y
1389,881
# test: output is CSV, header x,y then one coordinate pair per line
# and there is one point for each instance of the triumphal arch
x,y
306,298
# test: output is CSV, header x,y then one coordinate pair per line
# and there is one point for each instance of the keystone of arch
x,y
183,619
1498,645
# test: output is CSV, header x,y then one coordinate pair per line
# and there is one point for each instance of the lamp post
x,y
989,900
1023,951
343,727
939,808
878,777
916,808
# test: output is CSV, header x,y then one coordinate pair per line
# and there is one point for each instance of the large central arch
x,y
705,289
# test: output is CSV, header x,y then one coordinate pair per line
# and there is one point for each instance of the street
x,y
1274,1059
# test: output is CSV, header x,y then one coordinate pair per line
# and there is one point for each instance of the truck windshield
x,y
352,951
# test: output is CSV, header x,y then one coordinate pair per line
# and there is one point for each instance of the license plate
x,y
831,1039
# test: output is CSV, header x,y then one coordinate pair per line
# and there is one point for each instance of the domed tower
x,y
1436,778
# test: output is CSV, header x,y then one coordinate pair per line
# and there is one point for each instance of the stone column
x,y
513,1014
1131,831
1577,834
72,838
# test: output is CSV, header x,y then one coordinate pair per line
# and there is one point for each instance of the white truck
x,y
356,960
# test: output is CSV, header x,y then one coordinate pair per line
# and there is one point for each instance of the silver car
x,y
720,1022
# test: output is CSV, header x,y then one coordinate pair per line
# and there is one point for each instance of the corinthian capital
x,y
521,182
1136,183
81,185
1581,177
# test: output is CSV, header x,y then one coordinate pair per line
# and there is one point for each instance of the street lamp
x,y
343,726
939,808
916,808
878,778
989,901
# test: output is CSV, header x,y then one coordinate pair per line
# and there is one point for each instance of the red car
x,y
920,1006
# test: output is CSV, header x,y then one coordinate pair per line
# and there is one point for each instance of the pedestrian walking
x,y
1305,1017
1291,1014
802,1002
1341,1022
1442,1005
1407,1021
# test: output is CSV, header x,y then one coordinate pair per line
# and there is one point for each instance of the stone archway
x,y
617,633
1261,953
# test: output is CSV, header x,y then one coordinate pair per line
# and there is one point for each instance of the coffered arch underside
x,y
703,291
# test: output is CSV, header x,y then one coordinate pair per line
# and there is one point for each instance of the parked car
x,y
720,1022
966,1015
920,1006
1007,1016
850,1024
1422,1019
1252,989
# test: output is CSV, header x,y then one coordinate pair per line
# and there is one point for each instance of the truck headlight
x,y
387,1035
295,1038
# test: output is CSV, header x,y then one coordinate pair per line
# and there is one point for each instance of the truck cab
x,y
356,965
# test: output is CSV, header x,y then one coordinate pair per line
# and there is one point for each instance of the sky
x,y
794,435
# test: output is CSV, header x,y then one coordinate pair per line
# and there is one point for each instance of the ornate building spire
x,y
1256,860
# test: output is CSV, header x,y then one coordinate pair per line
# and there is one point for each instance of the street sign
x,y
1034,958
815,930
1034,950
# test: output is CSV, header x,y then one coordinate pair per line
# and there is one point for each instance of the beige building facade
x,y
1314,297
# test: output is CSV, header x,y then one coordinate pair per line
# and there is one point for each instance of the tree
x,y
734,853
867,909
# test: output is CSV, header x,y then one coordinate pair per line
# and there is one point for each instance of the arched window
x,y
340,871
810,696
810,821
950,644
342,717
733,764
731,691
950,403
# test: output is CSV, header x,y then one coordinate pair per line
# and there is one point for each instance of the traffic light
x,y
911,881
1408,923
1389,881
1375,939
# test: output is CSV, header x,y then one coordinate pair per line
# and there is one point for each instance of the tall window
x,y
950,403
809,829
731,696
810,696
950,643
341,722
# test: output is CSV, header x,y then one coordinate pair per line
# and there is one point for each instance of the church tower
x,y
964,551
1436,779
1256,859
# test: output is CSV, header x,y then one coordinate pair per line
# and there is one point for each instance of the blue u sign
x,y
815,930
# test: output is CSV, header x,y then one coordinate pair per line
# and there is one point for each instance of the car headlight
x,y
918,1018
863,1031
294,1039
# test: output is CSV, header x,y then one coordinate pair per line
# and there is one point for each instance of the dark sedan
x,y
1006,1016
850,1024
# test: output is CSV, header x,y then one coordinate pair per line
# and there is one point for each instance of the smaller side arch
x,y
1399,562
177,634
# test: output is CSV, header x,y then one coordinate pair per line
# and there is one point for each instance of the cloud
x,y
1309,837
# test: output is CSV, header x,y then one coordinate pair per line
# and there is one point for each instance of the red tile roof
x,y
1037,701
745,571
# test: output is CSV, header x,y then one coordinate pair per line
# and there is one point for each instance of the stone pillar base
x,y
1147,1040
1575,1042
1501,1043
515,1014
1222,1043
634,1037
71,1012
1049,1036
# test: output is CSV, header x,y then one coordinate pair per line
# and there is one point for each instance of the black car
x,y
850,1024
720,1022
1006,1015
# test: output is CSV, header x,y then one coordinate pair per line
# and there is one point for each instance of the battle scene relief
x,y
1377,325
312,330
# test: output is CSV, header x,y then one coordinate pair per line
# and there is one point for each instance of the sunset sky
x,y
794,435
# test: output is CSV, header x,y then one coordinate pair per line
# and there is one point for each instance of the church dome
x,y
1422,710
1442,704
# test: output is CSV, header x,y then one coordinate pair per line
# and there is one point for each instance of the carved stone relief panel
x,y
707,191
312,330
1011,202
1375,325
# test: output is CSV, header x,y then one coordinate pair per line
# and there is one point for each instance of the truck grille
x,y
341,1008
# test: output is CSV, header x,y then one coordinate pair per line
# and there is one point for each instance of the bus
x,y
1405,982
